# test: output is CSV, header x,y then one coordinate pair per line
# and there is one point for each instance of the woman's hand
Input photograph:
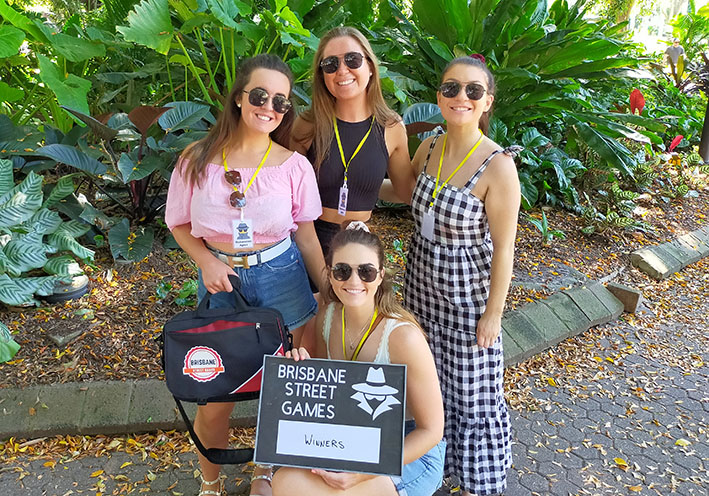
x,y
215,275
298,354
489,327
341,480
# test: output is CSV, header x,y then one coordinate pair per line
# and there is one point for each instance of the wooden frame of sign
x,y
332,414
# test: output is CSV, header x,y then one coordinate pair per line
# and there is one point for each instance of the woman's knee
x,y
289,481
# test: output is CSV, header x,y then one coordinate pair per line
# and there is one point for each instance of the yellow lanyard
x,y
263,161
364,338
346,163
437,188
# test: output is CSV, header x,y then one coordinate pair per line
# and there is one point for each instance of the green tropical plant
x,y
544,228
37,247
8,347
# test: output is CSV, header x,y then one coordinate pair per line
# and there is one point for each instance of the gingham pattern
x,y
446,287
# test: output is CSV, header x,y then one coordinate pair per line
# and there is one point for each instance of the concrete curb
x,y
542,324
101,407
661,261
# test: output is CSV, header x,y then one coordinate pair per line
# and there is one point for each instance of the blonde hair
x,y
322,110
384,298
223,131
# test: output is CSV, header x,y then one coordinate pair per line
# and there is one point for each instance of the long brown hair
x,y
224,130
384,298
476,62
322,110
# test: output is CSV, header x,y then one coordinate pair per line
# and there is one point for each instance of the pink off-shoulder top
x,y
278,199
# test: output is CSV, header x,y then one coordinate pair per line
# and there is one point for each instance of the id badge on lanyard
x,y
427,223
342,203
242,232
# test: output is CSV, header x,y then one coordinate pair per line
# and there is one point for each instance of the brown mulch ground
x,y
123,313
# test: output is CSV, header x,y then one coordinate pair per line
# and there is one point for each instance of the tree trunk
x,y
704,141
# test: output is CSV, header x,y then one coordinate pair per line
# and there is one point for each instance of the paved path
x,y
627,414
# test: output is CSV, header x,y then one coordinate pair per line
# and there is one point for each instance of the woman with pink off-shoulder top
x,y
240,203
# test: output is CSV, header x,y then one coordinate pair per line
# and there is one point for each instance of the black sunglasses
x,y
353,60
342,272
450,89
258,98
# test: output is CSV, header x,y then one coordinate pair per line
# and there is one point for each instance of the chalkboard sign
x,y
332,414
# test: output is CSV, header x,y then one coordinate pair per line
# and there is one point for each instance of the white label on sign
x,y
338,442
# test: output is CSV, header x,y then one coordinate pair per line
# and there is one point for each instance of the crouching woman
x,y
362,321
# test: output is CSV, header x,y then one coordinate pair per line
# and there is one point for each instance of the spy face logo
x,y
375,396
243,231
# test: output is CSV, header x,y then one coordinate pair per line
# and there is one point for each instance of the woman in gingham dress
x,y
465,203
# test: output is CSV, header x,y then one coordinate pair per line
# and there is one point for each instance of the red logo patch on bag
x,y
202,364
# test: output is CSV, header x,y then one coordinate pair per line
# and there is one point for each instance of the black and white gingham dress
x,y
446,287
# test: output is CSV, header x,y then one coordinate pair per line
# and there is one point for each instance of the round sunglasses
x,y
258,98
450,89
236,199
353,60
342,272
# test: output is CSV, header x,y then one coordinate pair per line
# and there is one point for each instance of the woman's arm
x,y
301,136
215,274
502,201
402,175
408,345
309,246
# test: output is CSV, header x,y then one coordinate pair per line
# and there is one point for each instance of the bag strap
x,y
218,456
240,303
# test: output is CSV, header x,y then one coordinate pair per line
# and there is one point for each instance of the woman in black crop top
x,y
348,102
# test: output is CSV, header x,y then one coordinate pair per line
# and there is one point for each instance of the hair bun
x,y
477,56
357,224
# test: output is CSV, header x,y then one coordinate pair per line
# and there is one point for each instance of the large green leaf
x,y
71,90
182,115
72,156
25,253
423,112
447,20
75,49
8,347
20,21
63,188
10,94
228,10
44,221
7,181
74,228
63,266
62,240
101,130
19,204
10,40
130,246
149,25
131,171
609,149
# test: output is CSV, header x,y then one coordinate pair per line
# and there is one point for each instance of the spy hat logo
x,y
375,396
202,364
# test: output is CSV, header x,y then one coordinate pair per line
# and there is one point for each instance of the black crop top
x,y
366,172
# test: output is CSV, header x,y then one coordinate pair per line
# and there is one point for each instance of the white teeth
x,y
460,109
345,83
263,118
354,291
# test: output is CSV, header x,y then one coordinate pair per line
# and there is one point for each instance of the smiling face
x,y
354,291
460,109
346,83
264,118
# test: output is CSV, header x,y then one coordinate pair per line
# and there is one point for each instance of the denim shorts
x,y
281,283
423,476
